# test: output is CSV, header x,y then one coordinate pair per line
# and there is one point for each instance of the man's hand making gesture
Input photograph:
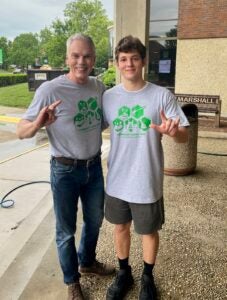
x,y
46,116
171,128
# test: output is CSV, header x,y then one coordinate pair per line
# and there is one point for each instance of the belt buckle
x,y
88,162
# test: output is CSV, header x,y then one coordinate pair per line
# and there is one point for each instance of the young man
x,y
73,126
138,113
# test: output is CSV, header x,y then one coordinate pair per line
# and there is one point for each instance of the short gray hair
x,y
80,36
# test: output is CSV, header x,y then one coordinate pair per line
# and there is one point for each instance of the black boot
x,y
148,288
121,285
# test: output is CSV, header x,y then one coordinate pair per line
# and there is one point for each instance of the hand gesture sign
x,y
47,115
168,126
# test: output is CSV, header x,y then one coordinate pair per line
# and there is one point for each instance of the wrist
x,y
35,127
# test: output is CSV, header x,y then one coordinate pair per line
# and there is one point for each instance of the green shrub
x,y
9,79
109,77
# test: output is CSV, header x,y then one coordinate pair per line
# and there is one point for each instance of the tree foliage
x,y
24,50
5,45
52,44
170,44
109,77
80,16
89,17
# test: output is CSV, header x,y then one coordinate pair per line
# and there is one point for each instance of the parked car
x,y
17,71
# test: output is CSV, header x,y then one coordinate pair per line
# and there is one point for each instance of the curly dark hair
x,y
129,44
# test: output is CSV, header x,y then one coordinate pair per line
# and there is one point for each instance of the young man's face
x,y
80,59
130,65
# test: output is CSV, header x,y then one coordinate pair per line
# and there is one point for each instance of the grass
x,y
16,95
4,72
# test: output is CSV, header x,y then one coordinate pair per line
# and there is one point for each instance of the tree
x,y
89,17
81,16
24,50
170,44
55,51
45,36
52,43
5,46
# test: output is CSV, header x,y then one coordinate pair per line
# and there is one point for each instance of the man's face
x,y
80,59
130,65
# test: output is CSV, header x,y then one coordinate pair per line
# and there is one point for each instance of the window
x,y
163,42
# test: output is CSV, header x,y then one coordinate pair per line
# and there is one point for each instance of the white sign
x,y
164,66
40,76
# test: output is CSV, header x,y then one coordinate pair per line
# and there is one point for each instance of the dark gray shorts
x,y
147,218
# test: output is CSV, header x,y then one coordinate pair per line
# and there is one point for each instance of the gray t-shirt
x,y
77,131
135,162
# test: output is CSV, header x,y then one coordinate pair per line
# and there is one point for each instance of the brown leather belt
x,y
77,162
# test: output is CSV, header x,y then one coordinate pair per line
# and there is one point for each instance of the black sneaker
x,y
121,285
148,288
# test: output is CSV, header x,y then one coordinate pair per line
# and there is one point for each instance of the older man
x,y
70,108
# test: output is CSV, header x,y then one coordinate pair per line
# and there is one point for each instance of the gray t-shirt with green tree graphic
x,y
76,133
135,162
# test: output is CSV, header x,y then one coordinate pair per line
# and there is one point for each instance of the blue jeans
x,y
68,183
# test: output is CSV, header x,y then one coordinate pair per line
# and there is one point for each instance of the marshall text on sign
x,y
205,103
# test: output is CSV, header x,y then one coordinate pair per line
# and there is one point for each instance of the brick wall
x,y
202,19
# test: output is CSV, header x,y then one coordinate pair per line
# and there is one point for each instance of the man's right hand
x,y
27,129
47,115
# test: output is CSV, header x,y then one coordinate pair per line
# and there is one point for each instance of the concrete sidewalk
x,y
191,262
27,228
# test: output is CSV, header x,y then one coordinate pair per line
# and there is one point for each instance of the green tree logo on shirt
x,y
89,114
131,121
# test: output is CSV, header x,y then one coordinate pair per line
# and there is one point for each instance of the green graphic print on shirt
x,y
131,122
89,115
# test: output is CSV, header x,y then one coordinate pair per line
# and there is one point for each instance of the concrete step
x,y
47,281
26,250
48,276
19,240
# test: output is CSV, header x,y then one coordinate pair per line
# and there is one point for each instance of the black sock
x,y
148,269
123,263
